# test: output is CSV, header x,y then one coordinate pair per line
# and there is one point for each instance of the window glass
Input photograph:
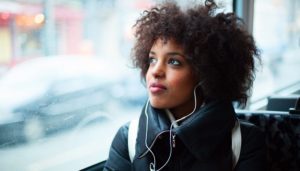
x,y
66,81
277,33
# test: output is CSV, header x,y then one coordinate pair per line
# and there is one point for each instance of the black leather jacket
x,y
201,142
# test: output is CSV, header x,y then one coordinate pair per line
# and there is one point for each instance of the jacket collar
x,y
206,133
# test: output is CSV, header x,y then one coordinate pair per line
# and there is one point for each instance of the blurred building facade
x,y
45,27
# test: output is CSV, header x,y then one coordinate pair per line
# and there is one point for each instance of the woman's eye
x,y
174,62
151,60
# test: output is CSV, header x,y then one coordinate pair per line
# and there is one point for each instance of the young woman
x,y
196,63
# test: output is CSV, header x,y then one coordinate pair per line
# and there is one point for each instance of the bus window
x,y
276,29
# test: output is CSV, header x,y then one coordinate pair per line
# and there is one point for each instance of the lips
x,y
157,88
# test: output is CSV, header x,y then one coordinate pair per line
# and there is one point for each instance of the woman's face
x,y
170,79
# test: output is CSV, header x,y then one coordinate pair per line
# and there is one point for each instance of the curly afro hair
x,y
216,45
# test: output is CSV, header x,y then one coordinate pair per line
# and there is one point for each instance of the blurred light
x,y
142,5
39,18
30,21
23,20
4,16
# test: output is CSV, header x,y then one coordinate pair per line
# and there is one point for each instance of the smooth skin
x,y
170,79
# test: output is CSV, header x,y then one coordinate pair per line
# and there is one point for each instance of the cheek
x,y
184,86
184,82
147,77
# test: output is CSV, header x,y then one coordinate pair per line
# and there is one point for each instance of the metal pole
x,y
49,36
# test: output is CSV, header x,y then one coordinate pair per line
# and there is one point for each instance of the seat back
x,y
282,103
282,138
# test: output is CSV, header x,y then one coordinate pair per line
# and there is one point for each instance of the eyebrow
x,y
169,53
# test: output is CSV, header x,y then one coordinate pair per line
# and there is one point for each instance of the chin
x,y
158,104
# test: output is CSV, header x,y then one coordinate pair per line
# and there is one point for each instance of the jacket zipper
x,y
173,140
176,158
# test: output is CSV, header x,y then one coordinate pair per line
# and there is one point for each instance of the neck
x,y
182,112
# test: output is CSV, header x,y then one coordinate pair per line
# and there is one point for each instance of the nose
x,y
158,70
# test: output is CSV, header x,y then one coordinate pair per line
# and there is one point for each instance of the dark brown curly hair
x,y
217,46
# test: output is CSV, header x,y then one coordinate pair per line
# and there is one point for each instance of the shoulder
x,y
123,130
250,131
118,154
253,150
252,136
119,142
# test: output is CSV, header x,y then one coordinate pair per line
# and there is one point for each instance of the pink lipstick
x,y
157,88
